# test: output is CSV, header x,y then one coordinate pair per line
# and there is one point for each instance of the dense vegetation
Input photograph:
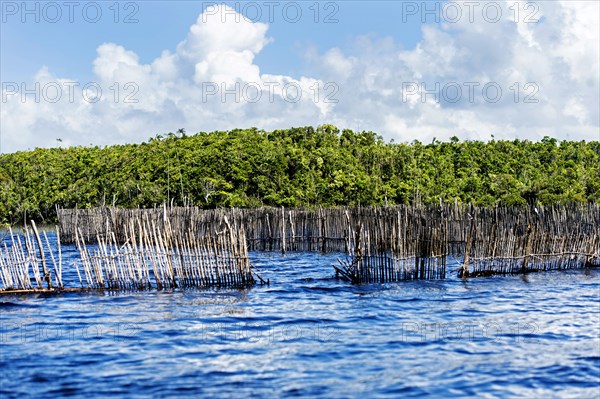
x,y
295,167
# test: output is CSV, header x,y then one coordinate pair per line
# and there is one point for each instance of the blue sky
x,y
69,48
377,60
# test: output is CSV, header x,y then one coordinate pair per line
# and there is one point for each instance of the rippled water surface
x,y
309,335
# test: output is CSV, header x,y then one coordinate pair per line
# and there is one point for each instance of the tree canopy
x,y
295,167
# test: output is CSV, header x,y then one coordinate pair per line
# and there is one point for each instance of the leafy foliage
x,y
295,167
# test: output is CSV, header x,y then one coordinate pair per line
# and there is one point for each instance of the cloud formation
x,y
472,79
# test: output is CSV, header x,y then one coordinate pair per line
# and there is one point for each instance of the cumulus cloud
x,y
510,78
547,72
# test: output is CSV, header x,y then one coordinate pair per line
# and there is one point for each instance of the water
x,y
309,335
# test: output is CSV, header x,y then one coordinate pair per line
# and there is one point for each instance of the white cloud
x,y
338,66
113,60
222,30
554,61
548,73
227,67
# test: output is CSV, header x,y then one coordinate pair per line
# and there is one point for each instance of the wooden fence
x,y
387,243
148,258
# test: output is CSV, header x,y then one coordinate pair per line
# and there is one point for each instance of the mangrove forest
x,y
296,167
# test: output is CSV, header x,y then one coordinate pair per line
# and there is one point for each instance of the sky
x,y
112,72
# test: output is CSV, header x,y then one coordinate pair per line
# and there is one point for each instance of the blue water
x,y
309,335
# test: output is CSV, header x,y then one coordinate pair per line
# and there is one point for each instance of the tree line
x,y
304,166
